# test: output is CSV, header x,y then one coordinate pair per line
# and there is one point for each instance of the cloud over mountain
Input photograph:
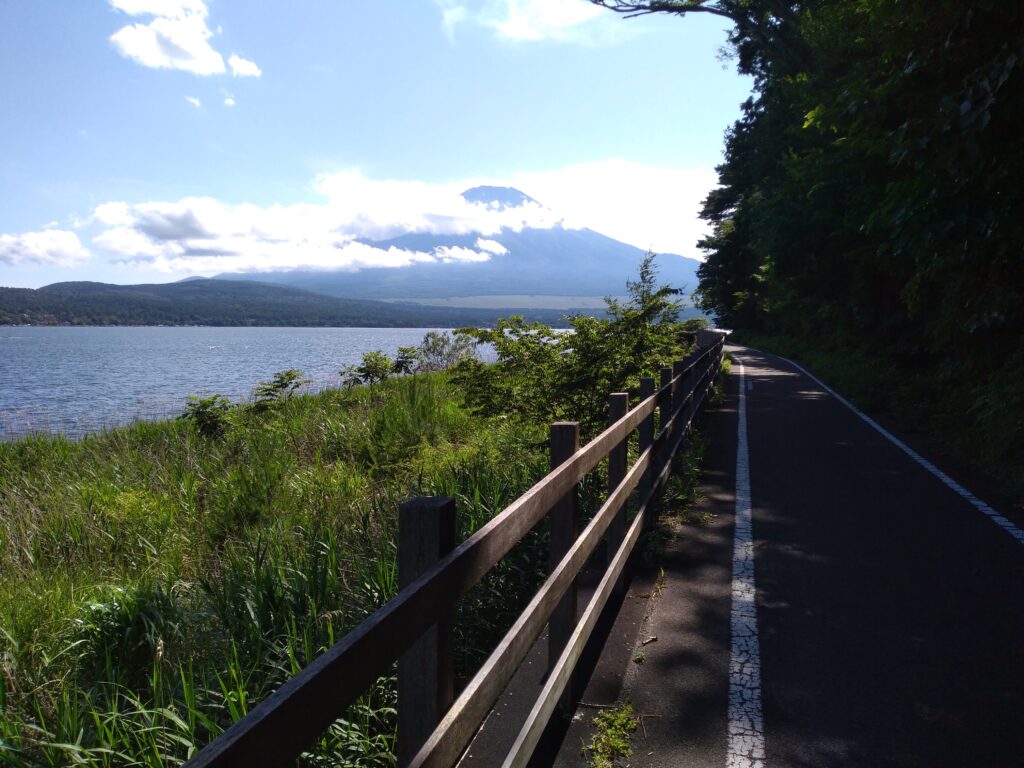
x,y
51,246
201,234
350,215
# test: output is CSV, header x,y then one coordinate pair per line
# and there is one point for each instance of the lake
x,y
77,380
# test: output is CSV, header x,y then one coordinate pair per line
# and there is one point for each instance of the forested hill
x,y
224,303
871,213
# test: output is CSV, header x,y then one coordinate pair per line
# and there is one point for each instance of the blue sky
x,y
149,140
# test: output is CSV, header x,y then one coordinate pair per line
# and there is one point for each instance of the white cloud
x,y
491,246
229,100
53,247
385,208
126,241
644,205
638,204
113,214
193,101
530,20
243,67
169,8
448,253
202,235
451,17
177,37
541,19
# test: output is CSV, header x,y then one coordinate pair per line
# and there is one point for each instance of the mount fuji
x,y
554,266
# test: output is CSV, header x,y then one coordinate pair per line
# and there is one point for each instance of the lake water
x,y
77,380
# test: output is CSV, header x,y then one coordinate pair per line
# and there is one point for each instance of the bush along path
x,y
162,579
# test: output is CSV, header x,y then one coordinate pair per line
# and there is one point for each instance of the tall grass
x,y
162,579
159,582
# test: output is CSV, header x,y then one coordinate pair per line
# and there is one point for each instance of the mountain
x,y
539,271
554,261
224,303
498,197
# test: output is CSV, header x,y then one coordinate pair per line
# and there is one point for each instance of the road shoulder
x,y
668,652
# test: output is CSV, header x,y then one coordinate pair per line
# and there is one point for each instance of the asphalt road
x,y
889,609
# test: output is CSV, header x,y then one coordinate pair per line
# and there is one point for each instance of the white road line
x,y
746,723
949,482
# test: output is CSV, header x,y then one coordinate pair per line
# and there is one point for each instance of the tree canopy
x,y
543,375
870,203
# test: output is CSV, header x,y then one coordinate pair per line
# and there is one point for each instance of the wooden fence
x,y
415,626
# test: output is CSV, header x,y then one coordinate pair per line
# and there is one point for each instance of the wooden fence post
x,y
618,405
677,370
645,440
564,527
708,374
690,387
678,398
664,417
426,533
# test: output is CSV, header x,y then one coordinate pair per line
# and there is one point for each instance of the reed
x,y
160,579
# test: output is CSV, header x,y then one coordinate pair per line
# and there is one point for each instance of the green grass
x,y
159,582
162,579
611,743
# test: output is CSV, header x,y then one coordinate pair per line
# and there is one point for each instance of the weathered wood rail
x,y
413,625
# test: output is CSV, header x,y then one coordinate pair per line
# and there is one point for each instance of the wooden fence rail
x,y
287,722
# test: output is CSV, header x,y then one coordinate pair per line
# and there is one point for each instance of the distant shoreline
x,y
450,327
236,304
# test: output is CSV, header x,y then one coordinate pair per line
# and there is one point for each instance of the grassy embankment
x,y
158,582
161,579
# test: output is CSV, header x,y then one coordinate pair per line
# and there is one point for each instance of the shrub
x,y
375,368
281,387
542,375
209,414
441,350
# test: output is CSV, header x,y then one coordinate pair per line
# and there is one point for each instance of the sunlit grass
x,y
159,582
161,579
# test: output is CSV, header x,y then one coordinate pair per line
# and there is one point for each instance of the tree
x,y
280,388
763,29
543,375
407,360
735,10
441,350
211,415
869,204
375,368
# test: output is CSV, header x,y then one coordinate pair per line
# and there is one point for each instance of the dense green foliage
x,y
545,376
225,303
871,215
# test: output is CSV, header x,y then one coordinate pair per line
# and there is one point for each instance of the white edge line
x,y
746,722
949,482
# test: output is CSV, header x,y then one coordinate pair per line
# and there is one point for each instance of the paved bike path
x,y
889,609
